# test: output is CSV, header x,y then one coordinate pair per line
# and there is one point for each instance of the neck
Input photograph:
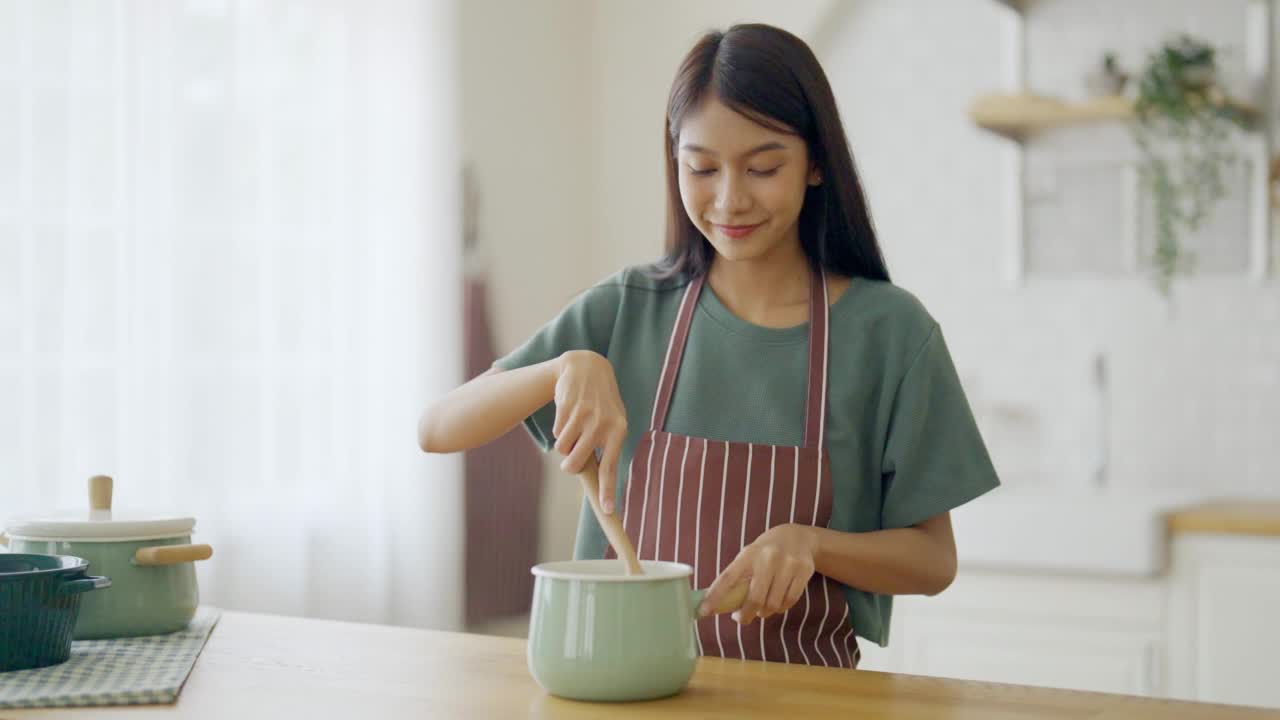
x,y
765,291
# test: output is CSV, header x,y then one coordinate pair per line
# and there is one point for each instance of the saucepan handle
x,y
171,554
730,602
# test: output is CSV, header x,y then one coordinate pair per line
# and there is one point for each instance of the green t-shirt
x,y
901,439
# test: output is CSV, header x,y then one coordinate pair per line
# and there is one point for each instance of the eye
x,y
700,172
765,173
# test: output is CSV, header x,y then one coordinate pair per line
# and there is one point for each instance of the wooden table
x,y
262,666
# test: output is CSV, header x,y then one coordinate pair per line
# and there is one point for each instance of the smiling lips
x,y
737,232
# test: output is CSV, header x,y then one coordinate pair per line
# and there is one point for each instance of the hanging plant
x,y
1183,128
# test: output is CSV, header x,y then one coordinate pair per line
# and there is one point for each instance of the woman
x,y
766,405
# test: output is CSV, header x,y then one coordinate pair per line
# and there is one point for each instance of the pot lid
x,y
100,522
99,525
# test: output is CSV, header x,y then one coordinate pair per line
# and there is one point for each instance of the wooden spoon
x,y
612,525
609,522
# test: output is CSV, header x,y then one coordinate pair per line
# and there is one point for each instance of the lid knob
x,y
100,493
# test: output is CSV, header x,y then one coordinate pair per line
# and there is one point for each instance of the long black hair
x,y
772,77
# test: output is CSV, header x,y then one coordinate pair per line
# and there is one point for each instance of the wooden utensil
x,y
617,535
609,522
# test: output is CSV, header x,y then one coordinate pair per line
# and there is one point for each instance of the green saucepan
x,y
596,633
149,558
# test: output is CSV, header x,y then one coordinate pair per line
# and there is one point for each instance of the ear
x,y
815,176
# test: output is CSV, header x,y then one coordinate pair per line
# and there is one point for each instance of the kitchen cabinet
x,y
1207,628
1047,630
1224,619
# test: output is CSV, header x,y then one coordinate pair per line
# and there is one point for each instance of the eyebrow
x,y
753,151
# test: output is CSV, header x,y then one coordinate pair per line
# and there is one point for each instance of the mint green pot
x,y
149,559
142,599
598,634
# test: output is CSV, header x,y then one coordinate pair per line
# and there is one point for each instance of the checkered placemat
x,y
126,671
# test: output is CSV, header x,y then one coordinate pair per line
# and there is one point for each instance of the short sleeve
x,y
585,324
934,459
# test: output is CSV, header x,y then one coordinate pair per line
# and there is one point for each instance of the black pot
x,y
39,604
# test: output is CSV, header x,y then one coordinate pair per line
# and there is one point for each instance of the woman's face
x,y
742,184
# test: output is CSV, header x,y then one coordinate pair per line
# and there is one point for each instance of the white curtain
x,y
229,278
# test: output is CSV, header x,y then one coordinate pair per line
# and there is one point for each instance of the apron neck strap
x,y
675,352
816,403
816,400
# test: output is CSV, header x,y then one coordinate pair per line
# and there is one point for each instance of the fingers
x,y
795,591
732,575
776,601
589,416
567,436
566,409
576,442
778,581
788,586
609,470
581,435
578,456
757,594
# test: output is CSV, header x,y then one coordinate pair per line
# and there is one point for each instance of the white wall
x,y
527,124
1194,387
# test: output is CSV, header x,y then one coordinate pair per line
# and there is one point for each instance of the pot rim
x,y
612,571
67,565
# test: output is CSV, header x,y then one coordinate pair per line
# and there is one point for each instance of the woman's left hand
x,y
778,564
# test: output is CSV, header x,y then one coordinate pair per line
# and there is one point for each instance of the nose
x,y
731,195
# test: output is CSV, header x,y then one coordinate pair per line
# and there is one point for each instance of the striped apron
x,y
699,502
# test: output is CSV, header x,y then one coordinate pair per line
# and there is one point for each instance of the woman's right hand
x,y
589,415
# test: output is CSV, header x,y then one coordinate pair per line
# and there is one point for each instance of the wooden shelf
x,y
1255,517
1017,116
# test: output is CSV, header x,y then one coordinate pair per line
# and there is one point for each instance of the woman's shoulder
x,y
635,283
651,277
884,313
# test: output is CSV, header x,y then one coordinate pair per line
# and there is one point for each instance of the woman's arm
x,y
487,407
589,412
917,560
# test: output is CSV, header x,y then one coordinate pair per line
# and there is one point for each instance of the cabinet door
x,y
1224,620
1043,654
1060,631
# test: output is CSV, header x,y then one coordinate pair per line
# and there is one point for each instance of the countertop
x,y
263,666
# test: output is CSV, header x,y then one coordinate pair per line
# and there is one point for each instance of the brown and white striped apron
x,y
699,502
